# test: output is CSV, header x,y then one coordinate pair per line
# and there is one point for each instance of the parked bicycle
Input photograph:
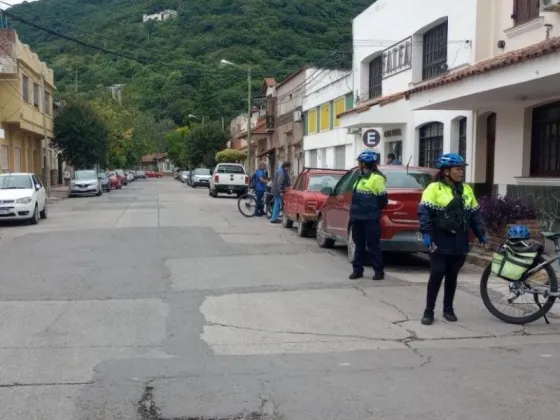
x,y
247,203
526,283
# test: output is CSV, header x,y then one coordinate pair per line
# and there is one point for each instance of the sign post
x,y
371,138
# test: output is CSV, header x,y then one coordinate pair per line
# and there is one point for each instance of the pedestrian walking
x,y
66,177
368,200
280,182
260,182
447,211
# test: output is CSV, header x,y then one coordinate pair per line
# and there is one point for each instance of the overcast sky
x,y
3,6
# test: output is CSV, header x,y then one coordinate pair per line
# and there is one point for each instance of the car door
x,y
345,202
330,209
291,198
41,193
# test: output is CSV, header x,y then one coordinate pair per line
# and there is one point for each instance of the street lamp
x,y
249,107
197,118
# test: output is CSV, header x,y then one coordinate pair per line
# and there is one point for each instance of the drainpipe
x,y
473,146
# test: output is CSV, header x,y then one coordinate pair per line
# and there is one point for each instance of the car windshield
x,y
230,169
119,172
412,179
85,175
102,175
15,182
320,181
202,171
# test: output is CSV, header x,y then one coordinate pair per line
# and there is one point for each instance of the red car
x,y
152,174
399,220
303,200
114,181
122,176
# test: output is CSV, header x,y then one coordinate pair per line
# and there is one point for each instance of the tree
x,y
82,135
231,155
176,144
204,142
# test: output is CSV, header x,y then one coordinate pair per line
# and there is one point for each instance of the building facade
x,y
325,143
398,43
26,89
160,16
513,89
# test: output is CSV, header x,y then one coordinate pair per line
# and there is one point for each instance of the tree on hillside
x,y
82,135
204,142
176,143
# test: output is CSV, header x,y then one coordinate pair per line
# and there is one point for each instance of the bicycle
x,y
533,284
247,204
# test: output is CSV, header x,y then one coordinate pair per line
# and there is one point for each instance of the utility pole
x,y
47,161
249,118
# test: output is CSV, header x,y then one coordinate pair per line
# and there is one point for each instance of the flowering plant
x,y
497,212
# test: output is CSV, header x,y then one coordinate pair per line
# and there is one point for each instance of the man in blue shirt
x,y
280,182
260,180
392,160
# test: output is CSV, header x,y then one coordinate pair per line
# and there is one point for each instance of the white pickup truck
x,y
229,178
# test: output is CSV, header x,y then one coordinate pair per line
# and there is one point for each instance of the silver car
x,y
85,182
201,178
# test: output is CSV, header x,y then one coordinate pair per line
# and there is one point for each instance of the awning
x,y
386,111
527,74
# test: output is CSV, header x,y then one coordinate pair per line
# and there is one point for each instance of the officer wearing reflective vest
x,y
447,211
369,198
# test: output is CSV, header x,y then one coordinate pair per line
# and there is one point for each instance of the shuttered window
x,y
376,77
325,117
339,108
525,11
545,141
434,54
431,144
463,138
312,121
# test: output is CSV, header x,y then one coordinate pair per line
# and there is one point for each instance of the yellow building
x,y
26,108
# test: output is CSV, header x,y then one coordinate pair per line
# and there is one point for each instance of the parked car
x,y
201,177
85,182
114,180
302,202
229,178
399,220
104,180
140,174
129,176
152,174
122,176
177,174
22,197
184,176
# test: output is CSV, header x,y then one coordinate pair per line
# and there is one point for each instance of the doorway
x,y
490,153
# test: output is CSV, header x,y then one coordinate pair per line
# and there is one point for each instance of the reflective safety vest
x,y
369,197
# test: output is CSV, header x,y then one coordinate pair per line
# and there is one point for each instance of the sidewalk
x,y
58,192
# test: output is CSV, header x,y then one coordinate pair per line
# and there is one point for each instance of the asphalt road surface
x,y
160,302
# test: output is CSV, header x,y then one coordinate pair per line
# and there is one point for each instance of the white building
x,y
514,92
325,143
398,43
160,16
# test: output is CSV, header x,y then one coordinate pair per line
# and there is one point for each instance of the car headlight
x,y
24,200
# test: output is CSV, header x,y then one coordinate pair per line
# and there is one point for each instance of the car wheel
x,y
214,193
287,223
44,212
322,240
35,218
303,228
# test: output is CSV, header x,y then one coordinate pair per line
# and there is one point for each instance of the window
x,y
36,95
394,147
25,88
463,138
545,141
37,181
325,117
319,181
13,182
298,186
4,159
47,105
407,179
312,121
376,77
203,171
525,11
312,159
434,54
226,169
339,108
431,144
340,157
345,184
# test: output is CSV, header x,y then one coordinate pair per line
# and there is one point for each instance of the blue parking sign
x,y
371,138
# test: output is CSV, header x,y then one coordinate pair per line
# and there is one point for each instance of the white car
x,y
229,178
22,197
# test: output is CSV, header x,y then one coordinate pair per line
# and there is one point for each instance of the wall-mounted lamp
x,y
548,27
501,44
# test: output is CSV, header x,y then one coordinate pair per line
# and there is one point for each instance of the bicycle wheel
x,y
247,205
514,292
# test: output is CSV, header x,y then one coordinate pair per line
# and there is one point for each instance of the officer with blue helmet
x,y
368,200
447,211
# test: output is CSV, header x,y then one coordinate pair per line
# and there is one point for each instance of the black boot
x,y
355,276
379,276
428,318
449,315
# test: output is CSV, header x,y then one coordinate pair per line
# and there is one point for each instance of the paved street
x,y
160,302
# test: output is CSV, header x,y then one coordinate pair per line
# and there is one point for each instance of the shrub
x,y
497,212
231,156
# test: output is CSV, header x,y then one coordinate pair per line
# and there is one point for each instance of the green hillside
x,y
177,71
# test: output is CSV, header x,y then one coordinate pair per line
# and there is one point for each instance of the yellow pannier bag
x,y
512,264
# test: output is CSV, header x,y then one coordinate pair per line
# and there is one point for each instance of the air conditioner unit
x,y
550,5
354,130
297,115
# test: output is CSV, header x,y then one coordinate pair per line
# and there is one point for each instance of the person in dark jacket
x,y
280,182
368,199
447,211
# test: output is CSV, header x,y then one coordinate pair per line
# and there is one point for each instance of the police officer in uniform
x,y
368,200
447,211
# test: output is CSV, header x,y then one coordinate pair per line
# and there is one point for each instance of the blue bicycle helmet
x,y
518,232
368,156
450,160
